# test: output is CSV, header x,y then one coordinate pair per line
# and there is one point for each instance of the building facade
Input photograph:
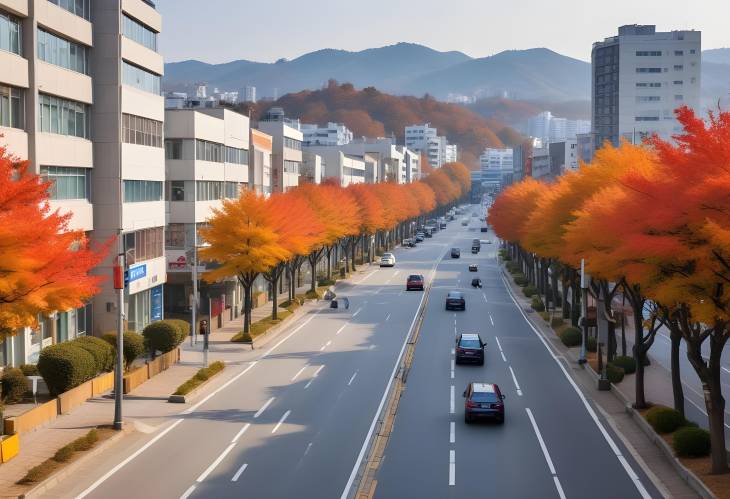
x,y
333,134
426,140
259,166
497,166
286,157
346,168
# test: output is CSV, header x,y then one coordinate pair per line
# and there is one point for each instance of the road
x,y
552,444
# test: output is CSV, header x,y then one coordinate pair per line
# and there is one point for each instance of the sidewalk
x,y
652,461
146,408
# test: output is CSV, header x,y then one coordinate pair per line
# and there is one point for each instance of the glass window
x,y
62,116
139,78
10,30
177,190
173,149
209,190
140,191
291,166
236,156
143,245
81,8
11,107
293,143
134,30
56,50
209,151
175,236
233,190
67,182
141,131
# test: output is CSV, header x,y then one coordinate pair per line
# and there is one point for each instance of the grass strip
x,y
200,377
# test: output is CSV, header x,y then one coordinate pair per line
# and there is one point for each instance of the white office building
x,y
333,134
550,128
426,140
496,166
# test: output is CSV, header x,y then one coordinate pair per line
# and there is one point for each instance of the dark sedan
x,y
455,301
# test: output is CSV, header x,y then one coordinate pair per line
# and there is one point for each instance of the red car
x,y
483,400
414,281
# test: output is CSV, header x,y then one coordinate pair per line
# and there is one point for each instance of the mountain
x,y
718,56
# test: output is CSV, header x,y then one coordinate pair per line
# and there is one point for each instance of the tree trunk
x,y
675,335
639,357
247,306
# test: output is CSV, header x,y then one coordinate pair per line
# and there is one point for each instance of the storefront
x,y
144,293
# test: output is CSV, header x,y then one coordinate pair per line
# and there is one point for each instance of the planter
x,y
73,398
32,419
9,447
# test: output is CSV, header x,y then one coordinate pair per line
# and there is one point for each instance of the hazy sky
x,y
224,30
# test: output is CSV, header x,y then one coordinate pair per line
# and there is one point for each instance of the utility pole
x,y
583,311
119,372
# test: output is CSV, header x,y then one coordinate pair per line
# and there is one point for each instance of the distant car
x,y
473,267
476,282
443,225
455,301
408,243
485,229
455,252
419,237
465,223
483,400
469,348
427,233
414,281
387,260
474,249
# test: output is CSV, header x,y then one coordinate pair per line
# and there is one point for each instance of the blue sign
x,y
136,273
156,303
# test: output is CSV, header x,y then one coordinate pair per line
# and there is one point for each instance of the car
x,y
474,249
469,348
419,237
387,260
465,223
408,243
473,267
483,401
427,233
443,225
414,281
476,242
485,229
455,301
455,252
476,282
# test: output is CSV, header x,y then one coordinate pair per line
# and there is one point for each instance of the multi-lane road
x,y
295,418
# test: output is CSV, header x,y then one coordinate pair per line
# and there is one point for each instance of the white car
x,y
387,260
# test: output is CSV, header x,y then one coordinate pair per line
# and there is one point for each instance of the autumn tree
x,y
370,214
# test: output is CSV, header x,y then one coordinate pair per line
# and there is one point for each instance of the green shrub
x,y
545,316
537,304
571,337
529,290
505,256
64,453
242,337
557,322
102,352
14,385
86,442
65,366
35,474
325,282
183,328
591,344
520,279
29,369
627,363
161,336
665,419
133,346
614,373
200,377
691,442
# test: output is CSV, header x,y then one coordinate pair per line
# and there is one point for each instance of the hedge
x,y
65,366
537,304
529,290
29,369
161,336
691,442
571,337
520,279
614,373
627,363
665,419
14,385
183,327
200,377
102,352
133,345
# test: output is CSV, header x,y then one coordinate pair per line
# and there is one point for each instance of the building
x,y
249,94
336,164
64,66
584,145
206,161
563,157
334,134
541,163
388,159
496,166
425,140
411,164
451,153
259,163
638,78
549,128
287,149
312,168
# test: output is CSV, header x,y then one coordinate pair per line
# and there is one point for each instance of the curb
x,y
194,393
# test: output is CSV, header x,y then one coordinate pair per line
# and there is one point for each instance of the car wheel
x,y
500,420
481,362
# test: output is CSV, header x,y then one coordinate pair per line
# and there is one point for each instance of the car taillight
x,y
498,406
459,350
471,404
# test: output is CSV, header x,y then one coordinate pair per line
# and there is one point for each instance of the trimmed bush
x,y
65,366
30,369
545,316
557,322
627,363
614,373
200,377
537,304
183,327
591,344
520,280
64,453
133,346
664,419
14,385
529,290
571,337
161,336
691,442
102,352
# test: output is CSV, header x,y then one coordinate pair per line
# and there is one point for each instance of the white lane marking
x,y
541,441
215,463
637,483
358,311
503,357
452,364
300,372
126,461
451,400
238,473
388,281
325,345
485,298
366,277
263,407
452,467
309,446
452,432
281,421
387,318
240,432
561,494
270,350
225,385
499,345
341,328
452,351
352,379
188,492
514,378
316,373
491,320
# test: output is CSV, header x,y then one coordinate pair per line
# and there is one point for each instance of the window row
x,y
648,98
209,151
138,32
10,31
12,107
648,70
140,191
81,8
67,182
63,116
139,78
293,143
291,166
648,53
141,131
61,52
644,84
236,156
207,190
144,244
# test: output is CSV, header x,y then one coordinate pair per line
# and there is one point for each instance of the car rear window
x,y
414,277
484,397
469,344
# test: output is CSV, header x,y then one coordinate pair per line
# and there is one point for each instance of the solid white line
x,y
561,494
238,473
341,328
126,461
352,379
188,492
263,407
358,311
215,463
452,364
451,404
452,467
541,441
387,318
514,378
241,432
283,418
300,372
452,432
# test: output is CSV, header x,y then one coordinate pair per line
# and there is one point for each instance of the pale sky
x,y
224,30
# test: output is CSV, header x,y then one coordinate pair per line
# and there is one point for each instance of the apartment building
x,y
206,161
411,165
497,166
563,157
260,157
336,164
333,134
287,149
549,128
639,78
312,168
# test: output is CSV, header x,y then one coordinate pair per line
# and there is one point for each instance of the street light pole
x,y
119,374
194,324
583,311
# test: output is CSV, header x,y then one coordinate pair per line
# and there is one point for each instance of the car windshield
x,y
484,397
414,277
470,344
387,255
454,294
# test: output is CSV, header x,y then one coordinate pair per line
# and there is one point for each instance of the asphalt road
x,y
552,444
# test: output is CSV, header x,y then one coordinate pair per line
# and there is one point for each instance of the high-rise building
x,y
496,166
426,140
286,157
333,134
549,128
639,78
249,94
